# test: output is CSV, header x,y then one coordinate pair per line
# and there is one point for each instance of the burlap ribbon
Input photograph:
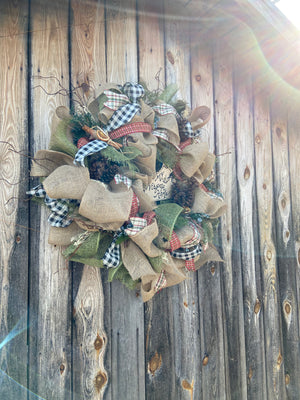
x,y
207,203
102,205
173,272
196,161
64,236
68,182
46,161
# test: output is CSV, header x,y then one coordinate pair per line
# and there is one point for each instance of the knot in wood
x,y
205,360
98,343
155,363
100,381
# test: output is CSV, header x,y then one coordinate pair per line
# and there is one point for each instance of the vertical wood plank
x,y
253,319
121,41
285,239
50,286
159,329
294,151
183,303
229,230
14,209
151,43
210,302
125,312
269,276
89,342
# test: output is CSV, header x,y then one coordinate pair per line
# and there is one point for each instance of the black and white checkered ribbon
x,y
59,207
123,115
187,131
112,256
187,254
90,148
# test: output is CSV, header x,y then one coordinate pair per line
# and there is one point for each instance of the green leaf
x,y
169,92
60,141
167,215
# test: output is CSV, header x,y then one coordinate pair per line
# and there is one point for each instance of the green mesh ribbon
x,y
59,140
166,215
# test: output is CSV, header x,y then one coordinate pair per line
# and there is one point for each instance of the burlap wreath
x,y
130,187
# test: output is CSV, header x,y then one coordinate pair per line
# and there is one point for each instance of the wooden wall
x,y
231,331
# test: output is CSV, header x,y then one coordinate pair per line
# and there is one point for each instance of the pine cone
x,y
102,171
183,192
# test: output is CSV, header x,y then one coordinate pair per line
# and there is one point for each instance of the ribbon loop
x,y
134,91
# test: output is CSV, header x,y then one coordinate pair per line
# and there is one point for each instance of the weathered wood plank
x,y
121,41
202,84
14,210
291,320
124,312
151,44
89,341
159,329
235,364
89,344
253,322
50,285
269,276
209,292
183,298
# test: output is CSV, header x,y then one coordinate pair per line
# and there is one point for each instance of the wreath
x,y
130,186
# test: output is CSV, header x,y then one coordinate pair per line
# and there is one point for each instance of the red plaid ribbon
x,y
185,143
137,224
203,187
123,179
174,242
148,216
190,265
164,109
134,206
127,129
161,282
115,100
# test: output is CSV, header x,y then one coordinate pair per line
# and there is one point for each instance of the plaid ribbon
x,y
174,242
115,100
90,148
112,256
190,265
134,206
164,109
187,254
123,179
161,134
134,127
148,216
196,237
126,112
161,282
135,225
59,207
122,116
133,90
187,131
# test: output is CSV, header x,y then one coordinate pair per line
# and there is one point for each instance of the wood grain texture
x,y
269,276
89,375
89,341
159,329
183,297
14,210
151,44
229,231
124,311
253,320
209,286
202,84
50,286
291,326
121,41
